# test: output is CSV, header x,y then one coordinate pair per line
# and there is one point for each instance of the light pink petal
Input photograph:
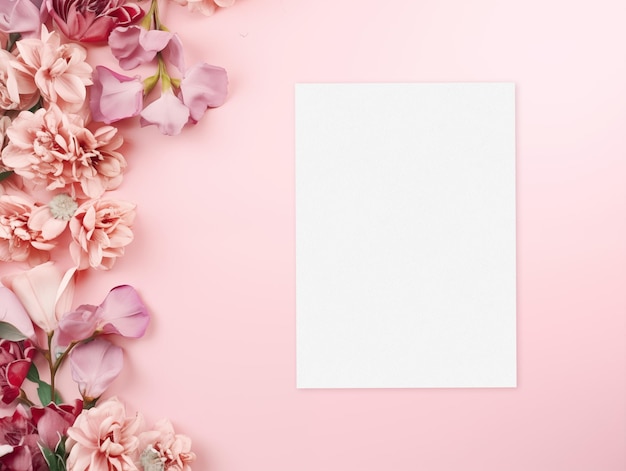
x,y
204,86
115,96
12,312
174,54
167,112
122,312
95,365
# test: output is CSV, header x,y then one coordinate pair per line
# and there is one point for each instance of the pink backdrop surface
x,y
214,251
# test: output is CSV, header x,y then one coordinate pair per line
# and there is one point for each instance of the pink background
x,y
214,250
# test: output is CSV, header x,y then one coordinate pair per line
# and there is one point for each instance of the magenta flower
x,y
115,96
15,360
18,433
204,86
122,312
167,112
134,45
92,20
52,421
19,16
95,365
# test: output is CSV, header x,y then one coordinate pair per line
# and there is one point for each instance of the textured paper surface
x,y
405,235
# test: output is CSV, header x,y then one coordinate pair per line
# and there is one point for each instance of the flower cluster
x,y
37,322
60,149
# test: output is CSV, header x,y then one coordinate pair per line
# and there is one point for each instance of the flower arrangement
x,y
61,153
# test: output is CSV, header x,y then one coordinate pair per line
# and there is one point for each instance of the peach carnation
x,y
17,87
60,71
20,238
55,149
206,7
101,229
103,439
164,450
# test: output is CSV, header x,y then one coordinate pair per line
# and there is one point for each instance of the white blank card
x,y
405,235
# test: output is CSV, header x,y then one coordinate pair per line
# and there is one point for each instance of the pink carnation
x,y
55,149
19,240
101,229
163,445
60,70
103,439
206,7
17,87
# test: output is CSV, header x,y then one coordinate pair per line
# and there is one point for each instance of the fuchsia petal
x,y
122,312
95,365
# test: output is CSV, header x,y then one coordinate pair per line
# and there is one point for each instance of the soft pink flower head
x,y
204,86
61,71
95,365
92,20
45,292
17,86
167,112
15,360
55,149
206,7
101,230
122,312
53,420
114,96
20,238
103,438
164,445
134,45
19,16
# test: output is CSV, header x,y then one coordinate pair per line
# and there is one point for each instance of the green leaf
x,y
6,174
33,374
8,332
51,458
44,391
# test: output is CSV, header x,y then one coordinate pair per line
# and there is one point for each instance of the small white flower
x,y
63,207
151,460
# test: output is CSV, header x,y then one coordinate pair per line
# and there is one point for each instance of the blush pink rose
x,y
92,20
55,149
19,240
103,438
60,71
164,445
101,230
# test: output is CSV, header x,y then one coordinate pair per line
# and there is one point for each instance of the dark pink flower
x,y
18,432
19,16
204,86
92,20
95,365
122,312
15,360
167,112
53,420
115,96
134,45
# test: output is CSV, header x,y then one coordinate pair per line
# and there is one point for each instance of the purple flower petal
x,y
204,86
95,365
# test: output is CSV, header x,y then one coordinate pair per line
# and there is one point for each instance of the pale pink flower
x,y
17,87
206,7
101,230
19,16
45,292
167,112
60,70
55,149
204,86
163,445
95,365
92,20
114,96
134,45
103,438
19,240
122,312
12,312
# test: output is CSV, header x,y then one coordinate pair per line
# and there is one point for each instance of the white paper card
x,y
405,235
